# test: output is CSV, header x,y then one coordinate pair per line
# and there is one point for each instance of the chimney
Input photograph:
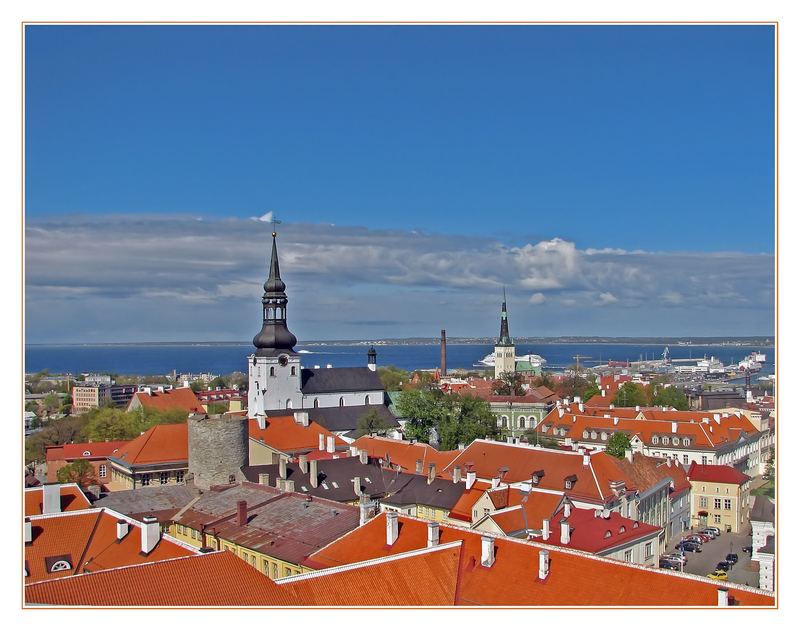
x,y
722,597
669,461
288,486
186,383
629,455
564,531
363,510
586,460
151,533
331,445
611,406
313,477
301,418
567,509
674,427
461,446
322,442
510,440
261,420
431,472
616,420
353,450
263,478
638,408
241,513
28,530
433,534
122,529
419,467
51,499
495,482
282,468
487,551
456,474
471,476
544,564
580,407
302,461
357,486
328,365
363,456
391,528
545,529
603,393
443,361
560,412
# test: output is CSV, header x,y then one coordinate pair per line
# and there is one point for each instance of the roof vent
x,y
487,551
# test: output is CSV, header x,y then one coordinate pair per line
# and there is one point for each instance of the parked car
x,y
702,537
714,529
718,575
680,557
709,533
688,546
666,564
732,558
693,539
724,565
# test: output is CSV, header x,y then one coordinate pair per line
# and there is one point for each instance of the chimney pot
x,y
544,564
313,477
487,551
564,531
433,534
151,534
391,528
241,513
122,529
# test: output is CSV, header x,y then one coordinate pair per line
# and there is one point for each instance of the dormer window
x,y
676,441
58,563
603,436
665,440
686,442
621,529
607,535
570,481
585,434
87,453
655,440
594,434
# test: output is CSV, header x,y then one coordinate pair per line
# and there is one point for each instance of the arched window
x,y
521,421
270,314
621,529
504,421
272,371
607,535
676,440
294,371
366,400
686,442
665,440
594,434
341,402
60,566
585,434
603,436
655,440
316,403
288,404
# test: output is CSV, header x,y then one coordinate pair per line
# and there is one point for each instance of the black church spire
x,y
505,338
274,337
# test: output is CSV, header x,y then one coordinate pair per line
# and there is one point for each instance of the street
x,y
714,551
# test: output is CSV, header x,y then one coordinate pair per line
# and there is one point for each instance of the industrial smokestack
x,y
444,353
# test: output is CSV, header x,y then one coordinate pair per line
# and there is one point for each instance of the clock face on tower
x,y
283,360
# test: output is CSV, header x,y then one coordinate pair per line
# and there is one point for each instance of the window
x,y
274,570
717,519
594,434
294,371
272,371
685,459
585,434
628,555
180,529
705,460
686,442
164,477
703,502
603,436
59,566
288,404
103,471
676,441
341,402
287,571
145,479
265,567
521,421
179,477
665,440
655,440
648,550
728,504
717,503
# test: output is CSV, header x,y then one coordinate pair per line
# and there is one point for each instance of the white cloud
x,y
537,299
607,298
267,218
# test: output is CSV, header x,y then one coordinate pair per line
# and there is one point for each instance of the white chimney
x,y
585,460
151,533
282,468
363,456
51,499
261,420
456,475
433,534
638,408
301,418
328,365
611,406
560,412
471,477
545,529
263,478
302,462
567,509
487,551
674,427
722,597
544,564
186,383
357,486
603,393
122,529
391,528
495,482
576,399
331,445
363,511
431,472
629,455
313,477
616,420
564,531
580,407
510,440
322,442
28,530
353,450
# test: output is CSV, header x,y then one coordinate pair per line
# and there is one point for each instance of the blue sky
x,y
647,150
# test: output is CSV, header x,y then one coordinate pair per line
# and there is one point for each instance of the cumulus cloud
x,y
161,263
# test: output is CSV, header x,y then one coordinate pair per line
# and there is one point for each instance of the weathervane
x,y
274,223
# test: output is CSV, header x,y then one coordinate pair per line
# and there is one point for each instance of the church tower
x,y
274,368
504,352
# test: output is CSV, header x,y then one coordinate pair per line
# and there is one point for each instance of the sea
x,y
225,358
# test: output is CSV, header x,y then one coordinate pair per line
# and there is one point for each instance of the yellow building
x,y
719,497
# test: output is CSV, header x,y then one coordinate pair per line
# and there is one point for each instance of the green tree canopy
x,y
218,382
630,395
392,377
535,438
81,472
617,445
671,397
371,423
113,424
591,390
509,383
546,380
238,379
213,408
196,386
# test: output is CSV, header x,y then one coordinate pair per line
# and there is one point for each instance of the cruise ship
x,y
537,361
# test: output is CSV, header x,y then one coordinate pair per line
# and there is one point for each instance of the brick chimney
x,y
391,528
564,532
456,474
544,564
51,499
151,534
431,472
313,476
433,534
122,529
241,513
487,551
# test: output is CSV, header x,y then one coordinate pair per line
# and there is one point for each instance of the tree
x,y
671,397
617,445
216,408
81,472
509,383
571,386
51,403
769,472
546,380
371,423
630,395
392,377
113,424
197,386
591,390
534,438
420,410
217,382
238,379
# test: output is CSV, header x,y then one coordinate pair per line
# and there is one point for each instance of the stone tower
x,y
218,448
505,359
274,368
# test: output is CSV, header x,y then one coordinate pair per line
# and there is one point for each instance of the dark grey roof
x,y
160,501
336,478
327,380
440,493
769,548
763,510
342,419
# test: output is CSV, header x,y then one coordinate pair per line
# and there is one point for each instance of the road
x,y
714,551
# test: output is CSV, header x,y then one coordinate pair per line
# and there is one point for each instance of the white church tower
x,y
505,359
274,368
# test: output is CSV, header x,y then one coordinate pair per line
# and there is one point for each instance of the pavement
x,y
715,550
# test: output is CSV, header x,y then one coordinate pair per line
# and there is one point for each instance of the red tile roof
x,y
72,499
177,399
214,579
716,473
462,509
405,453
575,578
285,434
74,451
89,539
160,443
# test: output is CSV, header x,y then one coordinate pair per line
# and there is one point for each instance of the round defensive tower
x,y
218,448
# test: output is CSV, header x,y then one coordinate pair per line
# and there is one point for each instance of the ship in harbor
x,y
537,361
